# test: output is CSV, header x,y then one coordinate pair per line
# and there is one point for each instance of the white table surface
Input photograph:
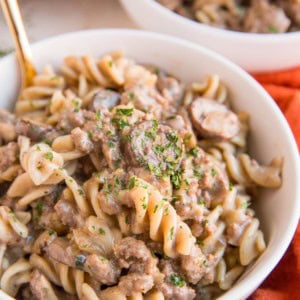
x,y
45,18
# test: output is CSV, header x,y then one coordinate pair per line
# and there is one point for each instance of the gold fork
x,y
15,23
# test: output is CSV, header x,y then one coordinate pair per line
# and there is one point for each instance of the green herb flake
x,y
39,207
194,151
98,115
172,137
205,223
204,263
176,280
76,105
121,123
155,208
187,139
90,134
48,156
38,148
176,180
127,219
197,174
158,149
51,232
201,201
79,261
45,141
245,204
125,111
101,231
110,63
144,204
131,95
272,29
213,172
80,192
111,144
200,242
171,233
131,184
230,186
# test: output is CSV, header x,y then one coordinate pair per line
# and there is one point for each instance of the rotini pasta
x,y
263,16
120,182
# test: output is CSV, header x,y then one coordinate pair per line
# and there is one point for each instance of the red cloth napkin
x,y
284,281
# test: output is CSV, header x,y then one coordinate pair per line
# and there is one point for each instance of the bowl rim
x,y
262,38
271,261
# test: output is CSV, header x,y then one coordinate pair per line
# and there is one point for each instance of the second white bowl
x,y
253,52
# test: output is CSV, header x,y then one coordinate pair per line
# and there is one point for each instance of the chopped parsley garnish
x,y
172,137
245,204
101,231
110,63
38,148
194,152
13,215
76,105
131,95
131,184
158,149
197,174
51,232
205,223
45,141
39,207
204,263
201,201
171,234
125,111
176,280
121,124
98,115
79,261
272,28
230,186
127,219
187,139
90,134
200,242
213,172
111,144
81,192
144,204
155,208
176,180
48,155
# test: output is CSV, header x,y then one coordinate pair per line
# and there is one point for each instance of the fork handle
x,y
14,20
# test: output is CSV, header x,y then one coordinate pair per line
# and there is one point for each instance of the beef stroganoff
x,y
120,182
259,16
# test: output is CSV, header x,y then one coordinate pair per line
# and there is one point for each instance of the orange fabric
x,y
284,282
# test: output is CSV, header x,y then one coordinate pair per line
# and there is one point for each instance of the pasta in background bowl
x,y
252,51
158,144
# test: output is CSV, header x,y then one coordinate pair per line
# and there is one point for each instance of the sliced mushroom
x,y
212,119
35,131
104,98
266,176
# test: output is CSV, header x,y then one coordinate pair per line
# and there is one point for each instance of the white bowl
x,y
253,52
279,209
